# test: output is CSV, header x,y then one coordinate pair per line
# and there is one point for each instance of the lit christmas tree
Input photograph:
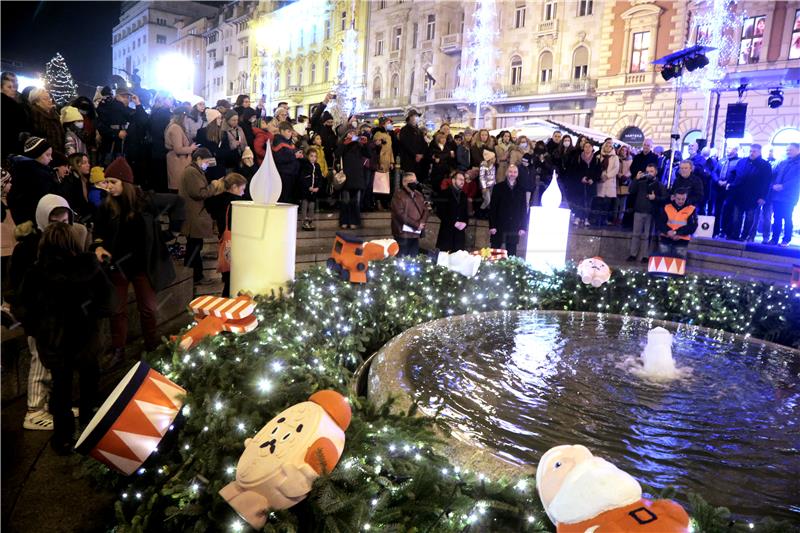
x,y
58,80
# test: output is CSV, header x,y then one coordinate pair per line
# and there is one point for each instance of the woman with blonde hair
x,y
623,183
179,147
480,142
608,163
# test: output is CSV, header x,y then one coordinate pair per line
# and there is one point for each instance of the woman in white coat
x,y
608,163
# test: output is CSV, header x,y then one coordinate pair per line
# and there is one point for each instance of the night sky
x,y
32,32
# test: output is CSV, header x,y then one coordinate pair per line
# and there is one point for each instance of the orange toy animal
x,y
350,256
214,314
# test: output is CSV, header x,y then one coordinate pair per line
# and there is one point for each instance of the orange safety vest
x,y
677,219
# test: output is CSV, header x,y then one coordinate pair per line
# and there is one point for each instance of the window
x,y
794,45
327,29
313,73
376,88
344,20
781,141
703,35
545,67
300,75
397,38
415,36
244,46
288,77
395,86
161,39
519,17
430,29
580,63
212,38
230,87
752,39
640,56
516,70
379,44
326,70
585,7
461,23
550,9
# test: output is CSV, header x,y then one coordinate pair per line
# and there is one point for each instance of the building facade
x,y
146,30
301,63
228,48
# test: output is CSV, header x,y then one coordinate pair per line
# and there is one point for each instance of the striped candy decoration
x,y
491,254
228,308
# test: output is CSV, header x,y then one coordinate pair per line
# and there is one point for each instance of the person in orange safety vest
x,y
676,223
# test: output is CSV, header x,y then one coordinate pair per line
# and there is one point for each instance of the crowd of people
x,y
99,190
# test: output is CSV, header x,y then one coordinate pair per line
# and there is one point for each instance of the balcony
x,y
551,87
426,45
451,44
394,55
393,101
218,63
548,27
293,90
639,78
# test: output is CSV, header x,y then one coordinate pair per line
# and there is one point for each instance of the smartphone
x,y
354,137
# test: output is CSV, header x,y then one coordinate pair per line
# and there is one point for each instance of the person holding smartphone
x,y
351,152
646,193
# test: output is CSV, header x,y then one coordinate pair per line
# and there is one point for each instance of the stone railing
x,y
451,43
548,26
394,101
551,87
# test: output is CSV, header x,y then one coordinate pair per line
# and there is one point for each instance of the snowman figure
x,y
594,271
279,465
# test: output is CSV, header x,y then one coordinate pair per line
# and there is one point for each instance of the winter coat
x,y
453,208
352,154
32,180
310,177
508,209
329,140
159,122
75,190
641,188
283,152
694,185
193,122
237,141
61,300
323,164
476,151
73,143
110,232
194,188
442,163
382,139
577,169
219,150
112,117
463,158
487,175
410,210
47,124
787,173
640,162
15,121
179,155
218,207
260,138
607,179
503,158
412,143
245,114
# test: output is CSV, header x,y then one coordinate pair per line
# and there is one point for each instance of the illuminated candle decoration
x,y
548,231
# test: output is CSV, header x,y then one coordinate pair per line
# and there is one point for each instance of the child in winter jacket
x,y
311,179
97,183
286,155
219,207
62,299
487,177
72,120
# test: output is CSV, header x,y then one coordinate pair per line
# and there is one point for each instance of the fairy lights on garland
x,y
58,80
390,473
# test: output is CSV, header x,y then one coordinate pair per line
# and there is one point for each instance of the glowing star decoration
x,y
266,186
548,231
581,492
279,465
461,261
594,271
129,425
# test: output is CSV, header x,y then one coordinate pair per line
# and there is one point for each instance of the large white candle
x,y
548,231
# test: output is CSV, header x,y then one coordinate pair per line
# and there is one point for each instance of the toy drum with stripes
x,y
131,422
666,266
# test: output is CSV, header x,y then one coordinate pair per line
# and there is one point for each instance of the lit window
x,y
640,56
519,17
752,39
516,70
300,75
288,77
327,29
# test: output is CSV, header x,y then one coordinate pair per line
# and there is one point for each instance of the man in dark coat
x,y
286,156
32,179
687,179
113,118
454,216
508,213
15,118
784,193
412,147
322,124
646,157
747,191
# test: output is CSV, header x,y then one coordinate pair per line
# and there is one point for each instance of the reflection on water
x,y
523,382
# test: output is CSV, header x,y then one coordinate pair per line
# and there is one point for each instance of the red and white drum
x,y
132,420
666,266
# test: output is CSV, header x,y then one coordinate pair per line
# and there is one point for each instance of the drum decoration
x,y
215,314
130,424
666,266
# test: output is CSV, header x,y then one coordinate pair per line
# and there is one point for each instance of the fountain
x,y
510,385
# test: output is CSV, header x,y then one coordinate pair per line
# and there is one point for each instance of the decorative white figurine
x,y
461,261
279,465
594,271
582,493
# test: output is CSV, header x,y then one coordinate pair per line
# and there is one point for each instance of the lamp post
x,y
548,231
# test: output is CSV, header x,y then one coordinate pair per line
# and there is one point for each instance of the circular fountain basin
x,y
510,385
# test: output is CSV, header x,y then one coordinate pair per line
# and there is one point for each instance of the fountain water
x,y
657,356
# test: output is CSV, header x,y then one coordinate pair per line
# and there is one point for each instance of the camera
x,y
416,186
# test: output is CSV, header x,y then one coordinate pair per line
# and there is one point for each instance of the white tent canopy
x,y
542,129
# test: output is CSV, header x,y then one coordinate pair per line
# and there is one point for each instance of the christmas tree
x,y
58,80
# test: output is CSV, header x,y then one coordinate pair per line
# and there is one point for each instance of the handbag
x,y
339,178
224,247
380,184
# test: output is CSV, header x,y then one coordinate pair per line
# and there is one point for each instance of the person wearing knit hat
x,y
36,148
72,120
97,186
39,178
70,114
60,164
212,115
96,175
119,169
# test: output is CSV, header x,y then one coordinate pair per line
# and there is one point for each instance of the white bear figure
x,y
594,271
461,261
279,465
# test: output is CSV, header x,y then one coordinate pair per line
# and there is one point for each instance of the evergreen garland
x,y
59,82
391,476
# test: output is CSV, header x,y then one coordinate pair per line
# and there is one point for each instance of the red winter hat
x,y
120,169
